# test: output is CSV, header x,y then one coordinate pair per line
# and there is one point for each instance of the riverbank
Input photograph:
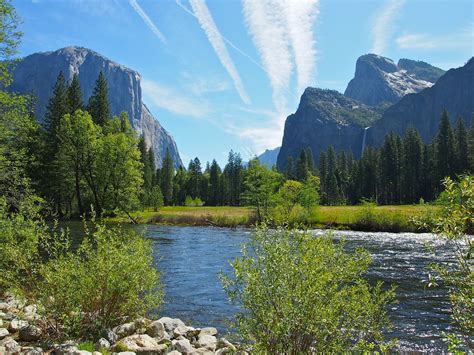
x,y
361,218
23,330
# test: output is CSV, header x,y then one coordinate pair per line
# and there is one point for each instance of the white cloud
x,y
382,27
463,39
147,20
282,32
173,101
300,16
201,85
202,13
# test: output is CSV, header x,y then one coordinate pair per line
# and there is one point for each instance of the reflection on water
x,y
191,258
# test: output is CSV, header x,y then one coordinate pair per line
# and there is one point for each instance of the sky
x,y
225,74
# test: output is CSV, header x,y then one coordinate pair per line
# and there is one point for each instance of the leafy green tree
x,y
156,198
303,294
78,141
10,38
309,196
98,105
74,94
167,174
289,195
260,185
455,223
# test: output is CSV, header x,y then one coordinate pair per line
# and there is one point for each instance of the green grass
x,y
365,218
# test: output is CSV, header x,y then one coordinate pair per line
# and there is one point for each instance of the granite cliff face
x,y
420,93
324,118
453,92
269,157
36,74
378,80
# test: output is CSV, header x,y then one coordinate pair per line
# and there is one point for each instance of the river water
x,y
191,258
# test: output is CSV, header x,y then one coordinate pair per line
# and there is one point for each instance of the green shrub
x,y
304,294
110,279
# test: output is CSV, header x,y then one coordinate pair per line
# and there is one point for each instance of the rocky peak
x,y
421,70
36,75
379,80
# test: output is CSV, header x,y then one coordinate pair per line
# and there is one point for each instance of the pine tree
x,y
445,150
167,174
74,94
471,147
332,187
323,173
462,148
98,105
290,169
55,111
302,172
214,177
412,166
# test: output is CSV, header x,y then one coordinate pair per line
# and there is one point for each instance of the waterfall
x,y
363,141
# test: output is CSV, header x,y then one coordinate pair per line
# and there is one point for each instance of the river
x,y
191,258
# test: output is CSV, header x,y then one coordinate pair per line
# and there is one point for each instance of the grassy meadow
x,y
365,218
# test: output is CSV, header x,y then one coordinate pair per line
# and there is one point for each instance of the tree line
x,y
403,170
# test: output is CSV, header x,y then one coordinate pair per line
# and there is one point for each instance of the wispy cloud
x,y
300,16
201,85
462,39
382,27
202,13
282,32
147,20
173,101
267,28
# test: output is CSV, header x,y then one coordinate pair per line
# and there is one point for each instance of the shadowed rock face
x,y
453,92
378,80
324,118
269,157
36,75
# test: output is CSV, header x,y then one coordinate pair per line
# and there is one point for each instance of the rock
x,y
10,345
174,352
96,353
65,348
223,351
204,351
16,325
3,333
223,343
142,322
81,352
156,329
30,317
30,309
4,306
207,341
126,353
184,346
141,343
2,315
30,333
7,316
125,329
208,331
37,74
171,323
103,343
379,80
1,322
185,331
31,350
111,336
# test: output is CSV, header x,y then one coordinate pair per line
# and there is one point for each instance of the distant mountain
x,y
36,75
324,118
421,70
378,80
454,91
269,157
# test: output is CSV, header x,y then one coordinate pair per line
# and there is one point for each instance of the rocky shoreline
x,y
21,333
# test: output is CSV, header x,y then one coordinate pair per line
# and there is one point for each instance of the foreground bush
x,y
305,294
106,280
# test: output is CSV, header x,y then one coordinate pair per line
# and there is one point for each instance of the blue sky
x,y
224,74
